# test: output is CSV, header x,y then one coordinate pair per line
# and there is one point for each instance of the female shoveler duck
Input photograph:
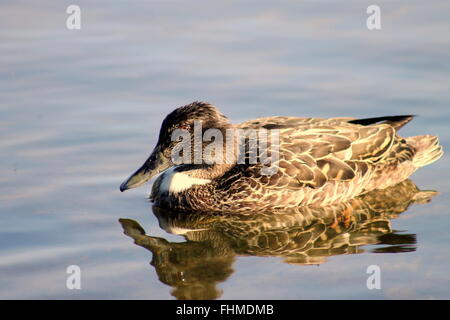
x,y
320,162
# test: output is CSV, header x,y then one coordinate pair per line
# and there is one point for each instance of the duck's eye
x,y
184,126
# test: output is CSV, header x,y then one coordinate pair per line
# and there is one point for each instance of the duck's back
x,y
325,161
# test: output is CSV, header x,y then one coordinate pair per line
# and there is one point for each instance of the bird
x,y
314,161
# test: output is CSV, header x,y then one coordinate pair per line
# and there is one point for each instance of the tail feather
x,y
396,121
428,149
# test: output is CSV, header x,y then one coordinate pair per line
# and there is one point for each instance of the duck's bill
x,y
155,164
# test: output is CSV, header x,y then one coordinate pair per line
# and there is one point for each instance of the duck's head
x,y
182,118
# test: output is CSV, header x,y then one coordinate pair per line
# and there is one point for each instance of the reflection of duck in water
x,y
320,161
300,236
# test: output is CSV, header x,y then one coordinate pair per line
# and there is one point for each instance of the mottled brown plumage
x,y
321,162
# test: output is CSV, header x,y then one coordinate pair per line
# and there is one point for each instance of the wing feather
x,y
314,151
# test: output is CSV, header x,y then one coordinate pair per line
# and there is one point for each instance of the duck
x,y
313,161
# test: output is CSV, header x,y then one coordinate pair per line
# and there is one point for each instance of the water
x,y
80,110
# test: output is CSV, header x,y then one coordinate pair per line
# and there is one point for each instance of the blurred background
x,y
80,110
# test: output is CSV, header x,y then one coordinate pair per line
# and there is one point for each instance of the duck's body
x,y
321,162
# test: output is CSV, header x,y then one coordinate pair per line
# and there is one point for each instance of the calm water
x,y
80,110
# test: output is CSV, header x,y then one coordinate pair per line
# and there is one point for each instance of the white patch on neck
x,y
178,230
175,182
